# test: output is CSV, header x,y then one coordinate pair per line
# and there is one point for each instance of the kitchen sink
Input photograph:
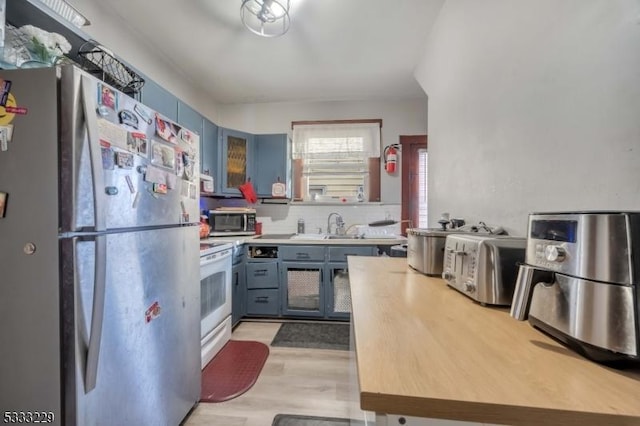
x,y
309,237
324,237
274,236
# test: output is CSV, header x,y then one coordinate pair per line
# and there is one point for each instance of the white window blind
x,y
336,140
335,158
422,188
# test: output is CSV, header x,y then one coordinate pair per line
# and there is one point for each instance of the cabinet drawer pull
x,y
260,272
302,255
262,299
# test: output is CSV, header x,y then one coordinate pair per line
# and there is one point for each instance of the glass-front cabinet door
x,y
303,290
338,292
237,159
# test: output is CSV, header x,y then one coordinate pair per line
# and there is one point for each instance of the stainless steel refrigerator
x,y
99,260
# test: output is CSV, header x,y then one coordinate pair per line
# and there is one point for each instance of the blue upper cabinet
x,y
191,119
160,100
209,154
272,163
237,160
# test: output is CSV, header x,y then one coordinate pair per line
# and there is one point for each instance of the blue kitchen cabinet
x,y
337,291
159,99
237,160
239,291
272,163
262,283
209,153
336,286
191,119
302,289
302,280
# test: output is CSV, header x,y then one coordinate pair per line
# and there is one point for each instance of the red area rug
x,y
233,370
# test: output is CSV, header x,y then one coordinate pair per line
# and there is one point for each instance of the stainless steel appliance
x,y
483,267
228,222
99,296
579,282
425,249
215,298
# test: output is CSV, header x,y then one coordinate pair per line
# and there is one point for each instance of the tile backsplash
x,y
283,218
280,219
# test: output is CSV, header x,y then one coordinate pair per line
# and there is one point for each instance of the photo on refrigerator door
x,y
3,203
165,130
163,156
107,97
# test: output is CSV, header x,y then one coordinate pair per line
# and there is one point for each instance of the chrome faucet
x,y
339,223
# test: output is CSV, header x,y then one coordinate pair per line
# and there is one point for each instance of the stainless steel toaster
x,y
483,267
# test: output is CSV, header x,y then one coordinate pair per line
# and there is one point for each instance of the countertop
x,y
423,349
306,242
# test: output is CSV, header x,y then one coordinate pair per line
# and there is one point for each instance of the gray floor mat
x,y
313,335
296,420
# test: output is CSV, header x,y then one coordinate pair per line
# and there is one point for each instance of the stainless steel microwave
x,y
232,222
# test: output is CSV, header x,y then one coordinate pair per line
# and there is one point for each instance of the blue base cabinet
x,y
302,285
239,293
337,291
263,288
301,281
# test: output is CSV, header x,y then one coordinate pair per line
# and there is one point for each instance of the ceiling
x,y
334,50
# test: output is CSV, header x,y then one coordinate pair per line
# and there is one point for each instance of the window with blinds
x,y
334,161
338,168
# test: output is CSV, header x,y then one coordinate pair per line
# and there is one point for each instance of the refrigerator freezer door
x,y
29,250
148,172
149,357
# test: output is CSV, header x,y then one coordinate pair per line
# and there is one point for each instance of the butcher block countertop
x,y
425,350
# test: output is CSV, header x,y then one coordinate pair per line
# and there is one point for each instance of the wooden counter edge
x,y
487,413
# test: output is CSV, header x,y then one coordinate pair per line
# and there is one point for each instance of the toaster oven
x,y
483,267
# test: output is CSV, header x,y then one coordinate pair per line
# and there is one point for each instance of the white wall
x,y
534,105
109,31
399,117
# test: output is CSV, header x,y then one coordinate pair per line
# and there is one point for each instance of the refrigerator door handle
x,y
97,313
95,154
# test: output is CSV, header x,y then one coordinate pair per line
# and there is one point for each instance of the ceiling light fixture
x,y
266,18
67,11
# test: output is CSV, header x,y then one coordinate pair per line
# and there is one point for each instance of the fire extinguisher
x,y
391,158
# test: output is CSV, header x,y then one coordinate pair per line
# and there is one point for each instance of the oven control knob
x,y
469,287
446,275
554,253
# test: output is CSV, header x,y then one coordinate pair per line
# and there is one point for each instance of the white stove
x,y
215,297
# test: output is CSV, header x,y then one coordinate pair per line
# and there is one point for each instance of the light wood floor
x,y
317,382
